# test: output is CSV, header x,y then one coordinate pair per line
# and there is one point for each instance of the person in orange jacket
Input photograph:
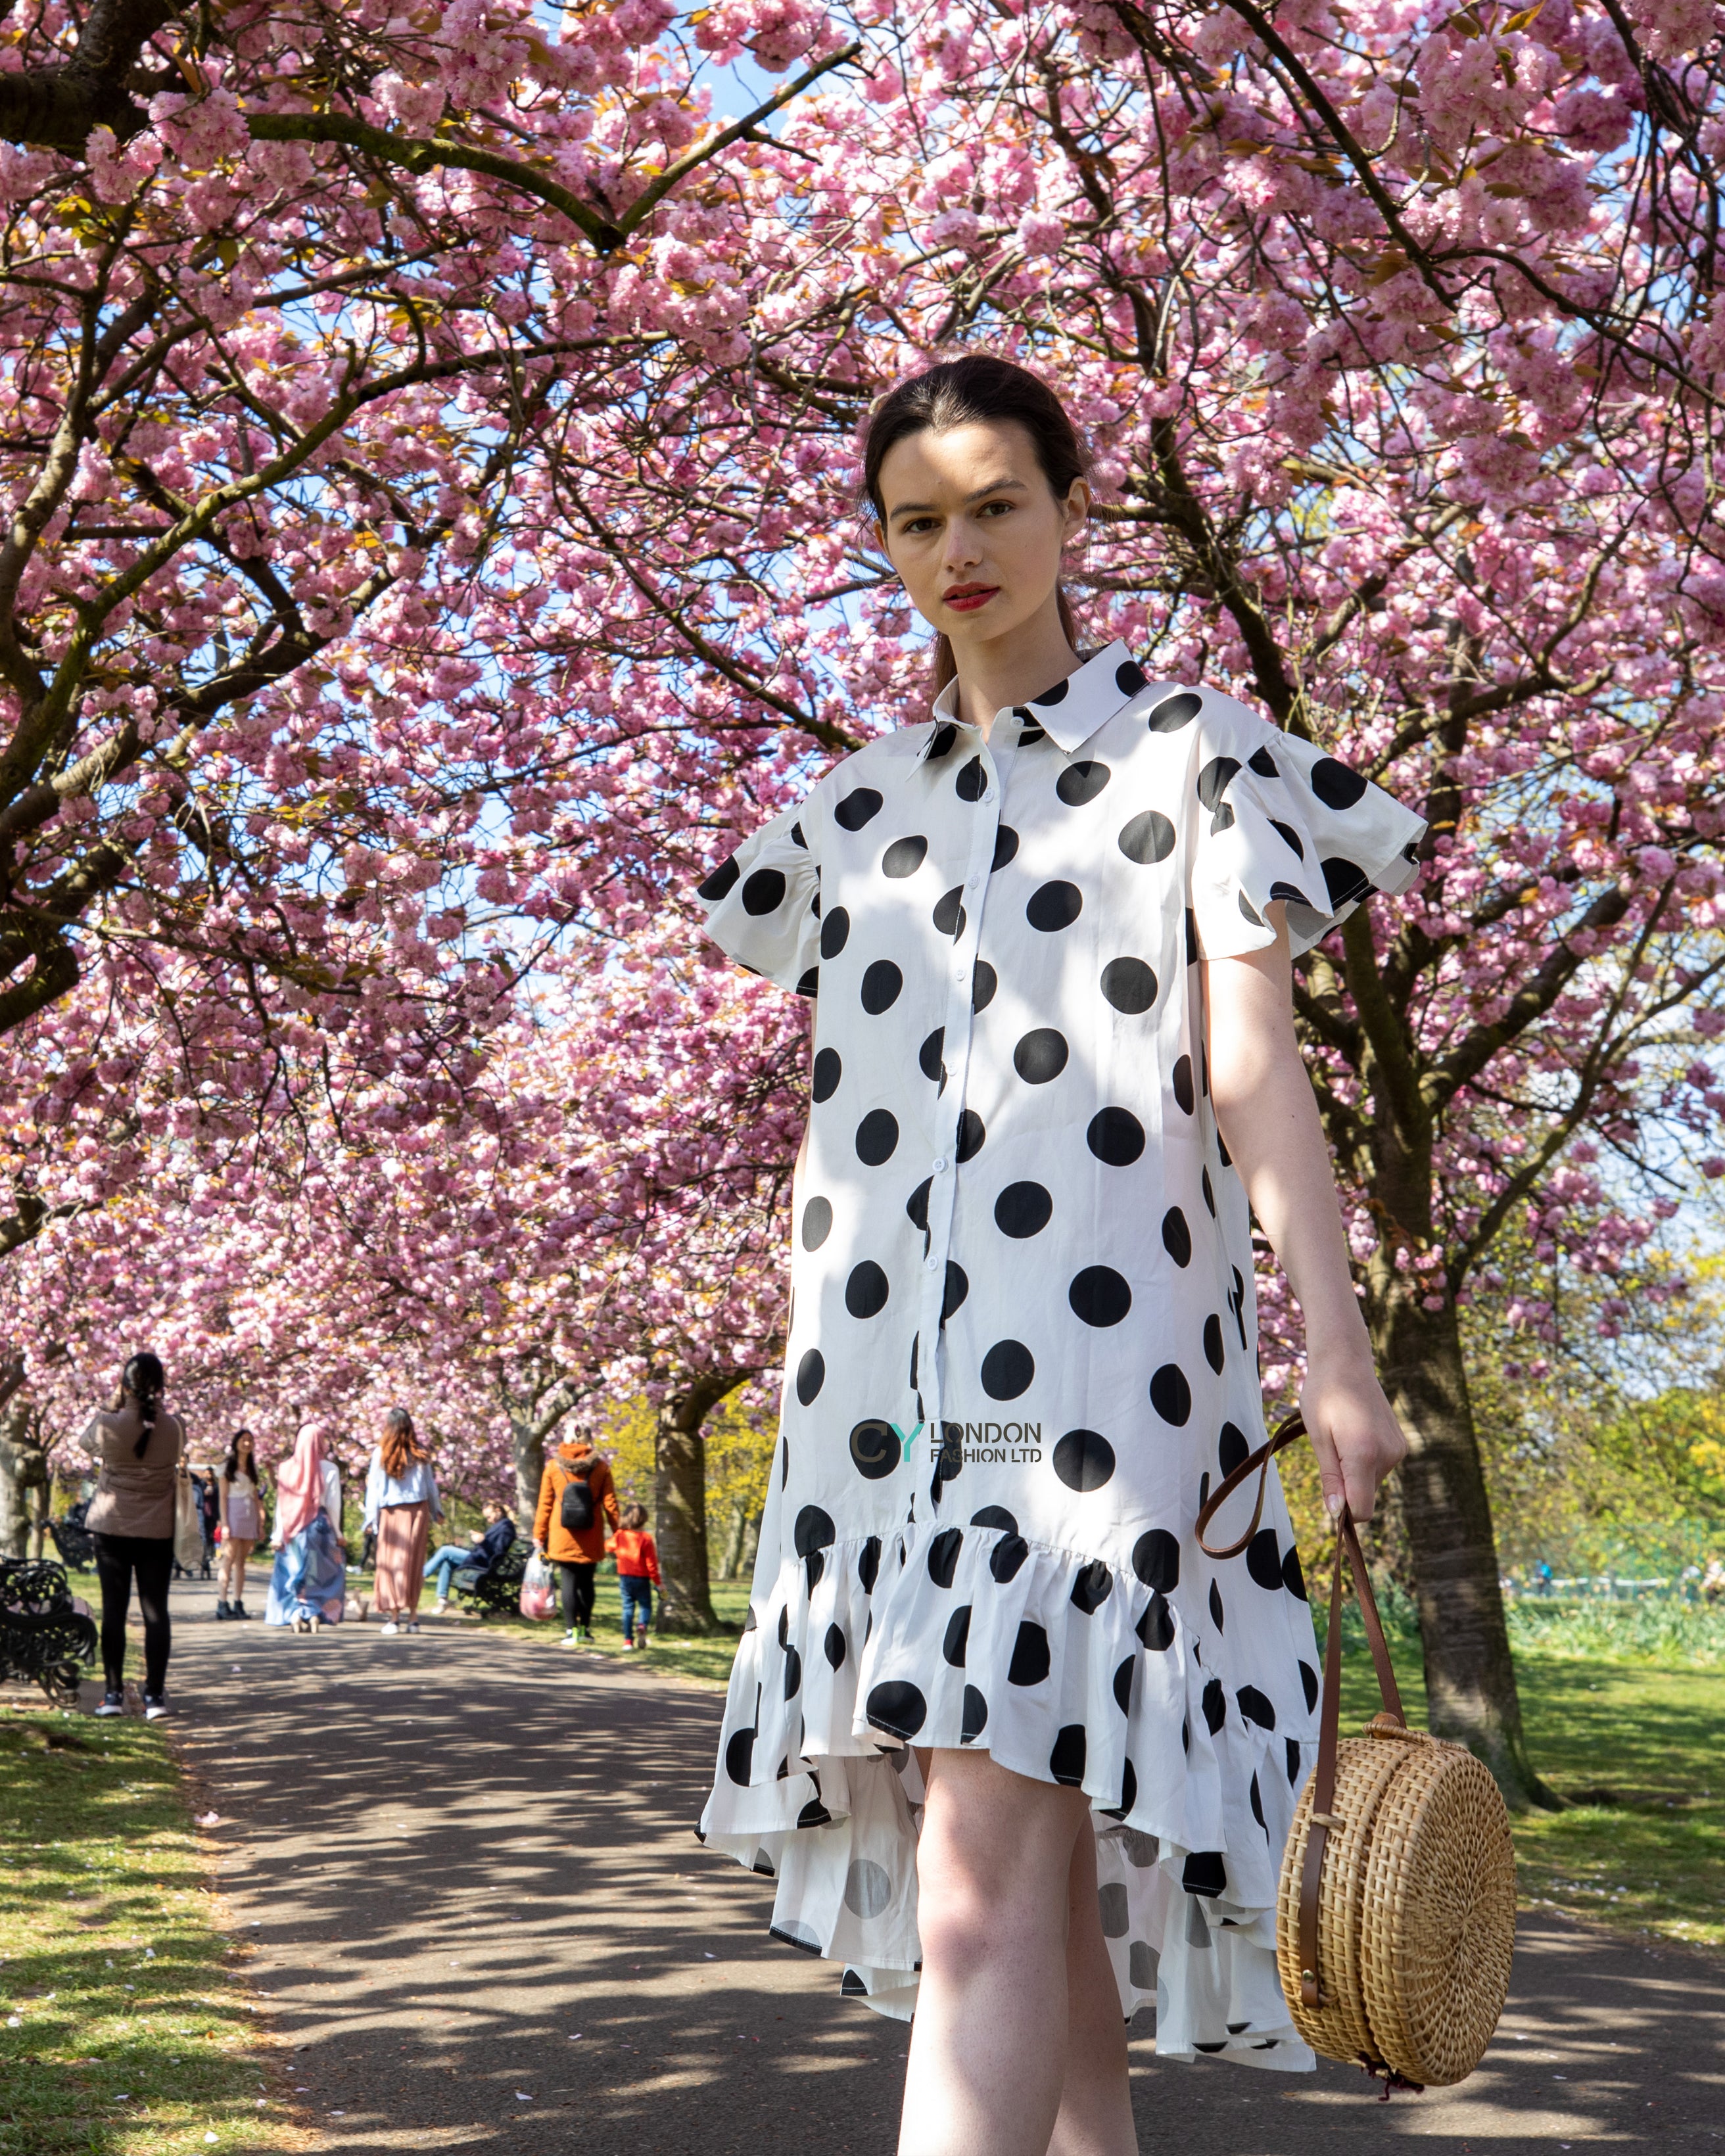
x,y
637,1556
576,1499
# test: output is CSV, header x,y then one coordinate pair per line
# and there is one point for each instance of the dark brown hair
x,y
230,1465
399,1444
960,392
145,1380
634,1517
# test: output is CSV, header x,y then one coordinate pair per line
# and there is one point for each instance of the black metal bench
x,y
73,1540
44,1638
497,1592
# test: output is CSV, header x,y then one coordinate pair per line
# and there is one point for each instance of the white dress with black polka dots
x,y
1023,1332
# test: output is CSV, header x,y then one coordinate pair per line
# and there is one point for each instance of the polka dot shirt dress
x,y
1023,1336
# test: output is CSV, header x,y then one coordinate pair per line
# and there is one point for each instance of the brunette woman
x,y
401,1503
1050,921
137,1446
242,1520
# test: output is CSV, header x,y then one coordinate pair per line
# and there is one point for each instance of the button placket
x,y
956,1041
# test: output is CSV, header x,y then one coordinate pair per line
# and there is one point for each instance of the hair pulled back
x,y
399,1445
145,1380
961,393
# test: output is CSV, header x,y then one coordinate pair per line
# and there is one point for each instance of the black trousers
x,y
576,1583
118,1557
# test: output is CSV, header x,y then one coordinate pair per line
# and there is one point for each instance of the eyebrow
x,y
976,494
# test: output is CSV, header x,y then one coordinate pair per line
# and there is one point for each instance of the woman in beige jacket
x,y
137,1447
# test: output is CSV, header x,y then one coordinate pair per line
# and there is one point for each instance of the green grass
x,y
1671,1633
131,2038
1636,1752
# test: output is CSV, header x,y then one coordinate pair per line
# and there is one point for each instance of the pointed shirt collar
x,y
1070,712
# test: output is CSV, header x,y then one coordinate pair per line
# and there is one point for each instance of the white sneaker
x,y
154,1706
412,1624
443,1604
113,1702
568,1640
388,1627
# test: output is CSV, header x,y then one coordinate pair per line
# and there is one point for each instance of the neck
x,y
997,673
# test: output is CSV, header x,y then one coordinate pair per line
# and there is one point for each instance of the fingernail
x,y
1333,1503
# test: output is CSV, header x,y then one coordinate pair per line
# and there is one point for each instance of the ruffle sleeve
x,y
1280,820
762,905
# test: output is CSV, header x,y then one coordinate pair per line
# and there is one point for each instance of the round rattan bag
x,y
1396,1916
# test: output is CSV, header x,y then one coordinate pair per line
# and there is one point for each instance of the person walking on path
x,y
483,1548
308,1586
1055,1076
136,1445
242,1520
637,1556
577,1499
401,1503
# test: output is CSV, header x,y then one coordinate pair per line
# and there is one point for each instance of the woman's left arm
x,y
1268,1117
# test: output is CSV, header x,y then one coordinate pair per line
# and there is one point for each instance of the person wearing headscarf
x,y
137,1447
308,1584
401,1503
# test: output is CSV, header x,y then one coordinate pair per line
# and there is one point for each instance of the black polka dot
x,y
1041,1055
814,1531
1009,1369
928,1055
722,879
874,1449
900,1709
811,1375
956,1639
834,932
1057,694
1192,953
1215,1705
784,1458
1156,1560
877,1136
995,1516
971,1131
1308,1685
1054,906
881,985
1289,836
1293,1577
1291,894
983,981
1261,761
1249,912
1255,1707
796,837
1147,838
1263,1559
1100,1295
1022,1210
1177,1236
957,1287
1066,1762
764,891
1006,846
817,1223
739,1756
1129,985
1213,780
943,1555
1083,1459
1232,1448
1030,732
941,741
1030,1663
917,1204
1209,1194
1291,1755
949,915
1174,712
827,1071
1170,1394
1006,1556
1092,1583
1213,1342
1217,1616
1116,1135
972,782
1334,784
809,984
834,1647
1181,1080
975,1716
792,1673
1156,1627
904,857
1256,1799
1130,678
865,1291
1080,783
868,1561
1123,1684
1345,883
857,808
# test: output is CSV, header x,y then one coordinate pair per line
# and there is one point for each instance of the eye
x,y
913,524
996,509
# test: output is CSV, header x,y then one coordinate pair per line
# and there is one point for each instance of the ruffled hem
x,y
1063,1670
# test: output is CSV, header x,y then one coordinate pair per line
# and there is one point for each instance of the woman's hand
x,y
1353,1431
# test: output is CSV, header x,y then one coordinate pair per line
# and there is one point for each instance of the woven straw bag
x,y
1395,1921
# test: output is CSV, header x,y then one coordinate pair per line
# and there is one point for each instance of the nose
x,y
963,548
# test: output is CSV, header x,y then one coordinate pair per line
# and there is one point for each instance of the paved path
x,y
481,1918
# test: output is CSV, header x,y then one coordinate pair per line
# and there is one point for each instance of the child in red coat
x,y
637,1556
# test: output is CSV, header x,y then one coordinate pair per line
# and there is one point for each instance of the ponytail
x,y
145,1380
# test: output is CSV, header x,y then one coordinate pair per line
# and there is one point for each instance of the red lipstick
x,y
966,599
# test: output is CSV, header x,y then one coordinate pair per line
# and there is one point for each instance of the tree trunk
x,y
732,1562
1469,1673
679,1500
527,1443
24,1471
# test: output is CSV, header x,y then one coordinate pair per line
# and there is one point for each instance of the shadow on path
x,y
474,1902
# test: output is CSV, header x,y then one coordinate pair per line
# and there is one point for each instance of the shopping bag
x,y
539,1593
188,1526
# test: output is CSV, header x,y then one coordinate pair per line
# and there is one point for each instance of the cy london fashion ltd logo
x,y
878,1446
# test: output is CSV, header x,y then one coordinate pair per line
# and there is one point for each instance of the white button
x,y
957,972
939,1168
931,1264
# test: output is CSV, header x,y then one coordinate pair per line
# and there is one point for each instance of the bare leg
x,y
987,2045
1096,2117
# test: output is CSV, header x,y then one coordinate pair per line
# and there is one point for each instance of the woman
x,y
401,1503
137,1447
309,1583
578,1502
1055,1074
241,1519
